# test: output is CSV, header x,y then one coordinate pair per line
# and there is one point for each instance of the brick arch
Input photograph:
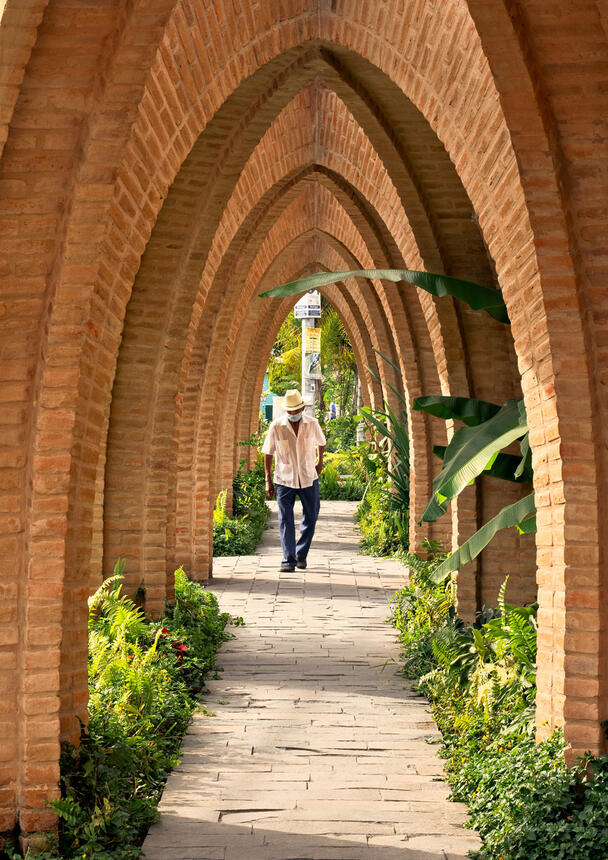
x,y
135,495
496,98
298,246
207,362
436,340
558,332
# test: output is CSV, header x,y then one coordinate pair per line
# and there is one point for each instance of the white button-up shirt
x,y
294,456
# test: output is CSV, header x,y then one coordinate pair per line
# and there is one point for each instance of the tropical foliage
x,y
240,533
481,680
144,680
343,476
285,363
341,433
390,428
338,363
383,521
475,448
474,295
339,367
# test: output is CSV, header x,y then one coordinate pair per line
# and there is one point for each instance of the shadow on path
x,y
308,749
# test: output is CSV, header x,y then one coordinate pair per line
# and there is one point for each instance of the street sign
x,y
309,306
312,340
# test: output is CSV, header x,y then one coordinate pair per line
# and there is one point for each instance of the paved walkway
x,y
312,750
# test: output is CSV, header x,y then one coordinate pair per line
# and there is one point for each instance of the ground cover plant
x,y
145,678
341,433
383,515
383,521
481,681
343,476
239,533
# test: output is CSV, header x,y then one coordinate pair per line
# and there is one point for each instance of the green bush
x,y
527,805
480,679
341,433
383,521
143,681
342,476
240,533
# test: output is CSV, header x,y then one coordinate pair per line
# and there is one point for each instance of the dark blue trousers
x,y
311,504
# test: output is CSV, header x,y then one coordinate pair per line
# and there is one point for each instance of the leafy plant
x,y
240,533
473,451
143,682
391,428
338,361
481,680
333,484
341,433
383,521
512,515
474,295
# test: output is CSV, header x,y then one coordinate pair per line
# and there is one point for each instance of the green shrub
x,y
143,682
383,521
527,805
341,433
240,533
336,481
523,800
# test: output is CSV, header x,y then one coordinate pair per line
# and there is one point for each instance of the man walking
x,y
294,440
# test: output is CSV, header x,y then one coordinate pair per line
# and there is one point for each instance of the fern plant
x,y
143,681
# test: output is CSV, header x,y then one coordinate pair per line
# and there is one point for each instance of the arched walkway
x,y
162,162
311,748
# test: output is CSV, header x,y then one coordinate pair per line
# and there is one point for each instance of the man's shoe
x,y
301,563
286,567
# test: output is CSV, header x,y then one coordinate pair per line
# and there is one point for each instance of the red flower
x,y
180,649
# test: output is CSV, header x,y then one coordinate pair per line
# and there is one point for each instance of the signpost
x,y
308,309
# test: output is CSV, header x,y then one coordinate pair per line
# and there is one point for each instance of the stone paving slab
x,y
310,746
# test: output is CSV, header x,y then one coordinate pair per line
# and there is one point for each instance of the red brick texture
x,y
164,161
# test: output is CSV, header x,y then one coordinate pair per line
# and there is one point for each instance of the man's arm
x,y
268,470
319,465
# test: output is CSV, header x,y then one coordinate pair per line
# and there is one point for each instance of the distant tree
x,y
285,364
338,360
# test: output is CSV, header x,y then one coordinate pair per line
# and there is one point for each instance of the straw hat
x,y
293,399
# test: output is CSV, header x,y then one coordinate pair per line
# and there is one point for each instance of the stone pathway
x,y
311,749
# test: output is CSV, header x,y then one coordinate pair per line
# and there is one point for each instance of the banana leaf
x,y
472,412
505,466
527,527
512,515
472,449
474,295
524,470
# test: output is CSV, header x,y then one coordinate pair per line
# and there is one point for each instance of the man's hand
x,y
268,475
319,466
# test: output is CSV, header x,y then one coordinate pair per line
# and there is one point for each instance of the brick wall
x,y
162,162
